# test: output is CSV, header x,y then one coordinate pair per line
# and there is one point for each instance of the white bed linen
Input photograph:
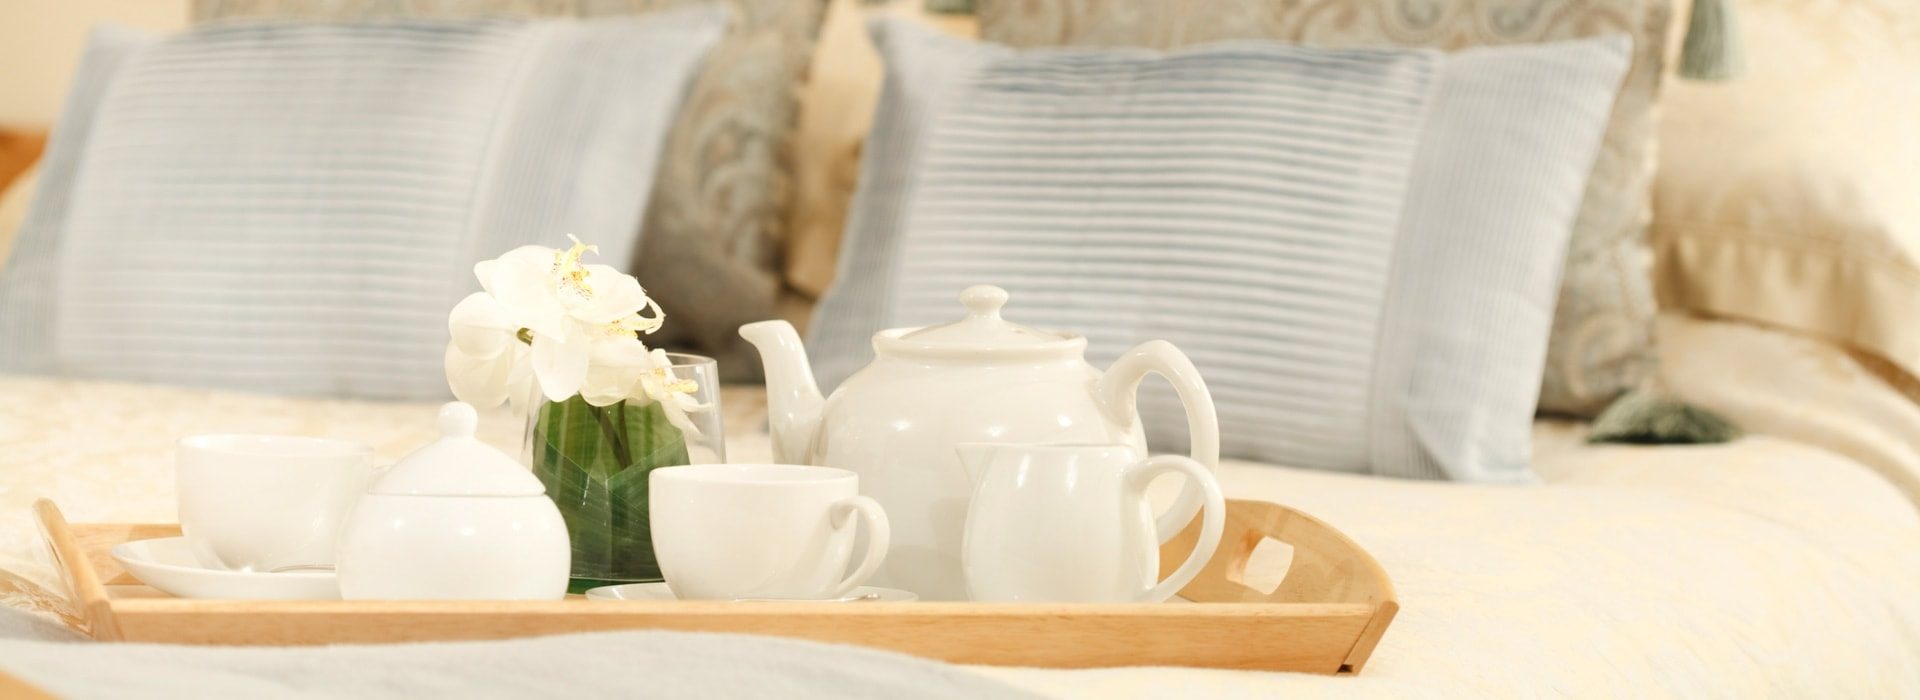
x,y
1762,567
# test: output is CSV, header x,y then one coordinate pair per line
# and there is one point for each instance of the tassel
x,y
1649,417
1713,49
950,7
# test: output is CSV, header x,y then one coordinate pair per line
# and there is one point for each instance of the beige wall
x,y
41,42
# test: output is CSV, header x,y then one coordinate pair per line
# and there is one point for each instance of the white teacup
x,y
729,531
267,502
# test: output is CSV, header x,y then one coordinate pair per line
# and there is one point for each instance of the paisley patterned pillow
x,y
1603,326
711,247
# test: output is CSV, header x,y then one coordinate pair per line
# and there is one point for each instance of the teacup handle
x,y
1213,517
878,539
1117,391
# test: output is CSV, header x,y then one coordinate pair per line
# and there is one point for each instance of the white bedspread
x,y
1765,567
1761,568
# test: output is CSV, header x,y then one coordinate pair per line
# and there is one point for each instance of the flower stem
x,y
625,437
612,435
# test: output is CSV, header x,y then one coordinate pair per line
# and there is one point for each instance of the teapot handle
x,y
1117,392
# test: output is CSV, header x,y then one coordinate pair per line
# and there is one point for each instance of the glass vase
x,y
594,461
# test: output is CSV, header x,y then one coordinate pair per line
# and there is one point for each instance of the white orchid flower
x,y
614,371
565,309
595,294
674,394
486,381
486,360
523,285
624,370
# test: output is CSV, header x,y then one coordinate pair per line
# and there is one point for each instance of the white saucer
x,y
167,564
658,590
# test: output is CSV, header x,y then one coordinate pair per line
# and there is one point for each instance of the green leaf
x,y
658,443
586,457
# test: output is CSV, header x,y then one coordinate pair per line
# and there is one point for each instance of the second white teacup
x,y
267,502
730,531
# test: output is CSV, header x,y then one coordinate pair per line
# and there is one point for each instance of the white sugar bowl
x,y
455,520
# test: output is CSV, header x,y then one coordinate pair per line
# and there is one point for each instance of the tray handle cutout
x,y
1326,567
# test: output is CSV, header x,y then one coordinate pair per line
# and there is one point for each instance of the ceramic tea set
x,y
979,459
900,421
297,518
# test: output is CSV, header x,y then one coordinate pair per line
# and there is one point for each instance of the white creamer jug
x,y
1072,523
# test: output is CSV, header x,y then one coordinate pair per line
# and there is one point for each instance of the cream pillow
x,y
1792,197
836,107
13,207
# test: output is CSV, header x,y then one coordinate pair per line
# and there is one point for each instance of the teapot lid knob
x,y
983,328
458,419
983,300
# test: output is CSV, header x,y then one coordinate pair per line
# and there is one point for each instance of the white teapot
x,y
897,421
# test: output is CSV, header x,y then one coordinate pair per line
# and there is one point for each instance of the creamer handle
x,y
1213,518
1117,391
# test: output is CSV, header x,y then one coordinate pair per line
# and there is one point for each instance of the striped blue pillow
x,y
1359,248
294,207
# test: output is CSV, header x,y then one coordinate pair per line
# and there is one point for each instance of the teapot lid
x,y
983,327
457,464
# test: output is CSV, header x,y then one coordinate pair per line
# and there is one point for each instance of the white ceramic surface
x,y
981,379
1072,524
728,531
168,564
660,591
455,548
457,464
261,502
455,520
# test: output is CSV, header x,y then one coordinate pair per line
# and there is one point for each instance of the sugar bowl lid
x,y
458,464
983,328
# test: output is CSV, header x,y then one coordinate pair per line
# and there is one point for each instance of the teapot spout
x,y
793,398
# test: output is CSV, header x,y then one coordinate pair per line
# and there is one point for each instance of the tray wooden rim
x,y
1327,615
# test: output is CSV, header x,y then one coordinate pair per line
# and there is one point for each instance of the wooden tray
x,y
1325,617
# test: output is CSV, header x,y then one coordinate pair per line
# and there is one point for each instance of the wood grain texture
x,y
1327,567
16,689
1310,637
19,149
1229,625
90,597
97,541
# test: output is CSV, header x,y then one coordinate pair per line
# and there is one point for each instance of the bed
x,y
1783,563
